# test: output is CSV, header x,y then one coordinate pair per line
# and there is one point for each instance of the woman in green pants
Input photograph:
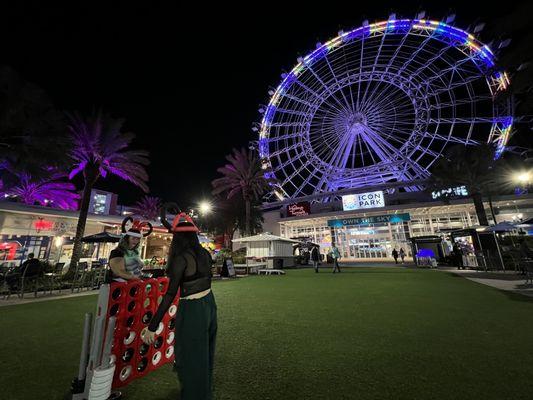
x,y
189,269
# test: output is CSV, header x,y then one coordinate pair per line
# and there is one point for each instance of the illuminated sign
x,y
43,225
58,227
363,200
299,209
378,219
459,191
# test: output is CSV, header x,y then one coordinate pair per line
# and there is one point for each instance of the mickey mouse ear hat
x,y
136,229
182,222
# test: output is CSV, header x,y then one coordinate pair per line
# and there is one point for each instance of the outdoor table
x,y
249,268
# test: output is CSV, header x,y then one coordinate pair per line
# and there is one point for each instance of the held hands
x,y
148,336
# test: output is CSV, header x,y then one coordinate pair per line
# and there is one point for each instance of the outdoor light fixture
x,y
58,241
205,207
523,177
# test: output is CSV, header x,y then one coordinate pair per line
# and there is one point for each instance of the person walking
x,y
315,257
402,254
335,254
395,255
457,256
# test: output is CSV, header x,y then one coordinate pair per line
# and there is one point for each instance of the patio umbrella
x,y
501,227
102,237
527,222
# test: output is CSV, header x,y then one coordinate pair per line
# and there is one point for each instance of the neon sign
x,y
43,225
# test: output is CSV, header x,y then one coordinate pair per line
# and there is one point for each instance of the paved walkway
x,y
508,281
29,298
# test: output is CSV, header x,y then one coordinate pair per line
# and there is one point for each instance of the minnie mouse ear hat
x,y
182,222
136,229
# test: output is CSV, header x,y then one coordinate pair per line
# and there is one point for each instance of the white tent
x,y
270,247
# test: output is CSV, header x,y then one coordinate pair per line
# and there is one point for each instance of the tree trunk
x,y
248,217
480,209
492,210
90,179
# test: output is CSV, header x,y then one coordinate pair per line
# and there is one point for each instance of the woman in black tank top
x,y
189,269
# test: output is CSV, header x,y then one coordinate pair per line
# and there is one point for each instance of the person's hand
x,y
148,336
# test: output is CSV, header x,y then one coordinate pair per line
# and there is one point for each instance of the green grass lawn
x,y
368,333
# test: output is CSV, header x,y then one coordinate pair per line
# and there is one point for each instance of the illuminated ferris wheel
x,y
380,104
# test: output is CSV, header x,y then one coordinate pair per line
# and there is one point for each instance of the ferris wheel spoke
x,y
340,157
360,74
459,102
378,53
450,138
379,147
285,164
292,112
395,98
430,62
287,150
308,90
347,105
328,89
471,120
414,54
303,185
389,154
295,173
396,52
449,85
286,136
297,99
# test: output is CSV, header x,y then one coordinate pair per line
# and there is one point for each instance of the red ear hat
x,y
136,229
182,222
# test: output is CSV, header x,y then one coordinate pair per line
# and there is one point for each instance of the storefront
x,y
46,232
373,233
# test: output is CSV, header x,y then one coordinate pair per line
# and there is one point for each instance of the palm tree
x,y
243,175
148,207
48,190
100,148
230,217
473,167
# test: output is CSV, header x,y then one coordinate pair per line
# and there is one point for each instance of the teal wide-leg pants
x,y
196,330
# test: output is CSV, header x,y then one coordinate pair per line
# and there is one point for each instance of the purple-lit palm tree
x,y
48,190
148,207
100,148
242,175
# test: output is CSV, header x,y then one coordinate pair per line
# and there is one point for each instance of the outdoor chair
x,y
98,273
80,276
54,278
4,287
512,261
31,283
527,265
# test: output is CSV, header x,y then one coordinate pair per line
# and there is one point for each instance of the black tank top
x,y
188,271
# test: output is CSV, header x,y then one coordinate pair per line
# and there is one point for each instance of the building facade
x,y
373,233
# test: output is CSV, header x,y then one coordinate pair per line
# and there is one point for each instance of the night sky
x,y
189,79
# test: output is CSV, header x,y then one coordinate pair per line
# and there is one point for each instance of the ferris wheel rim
x,y
479,54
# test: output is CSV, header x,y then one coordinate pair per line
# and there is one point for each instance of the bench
x,y
271,272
